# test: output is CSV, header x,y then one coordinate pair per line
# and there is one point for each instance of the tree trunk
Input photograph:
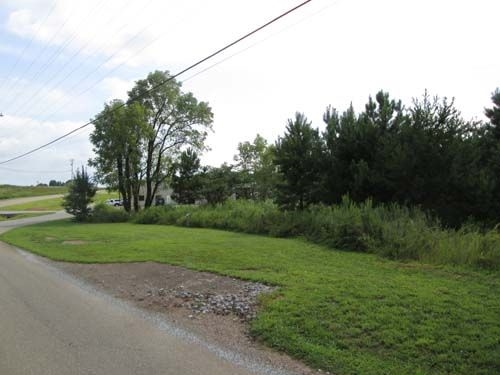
x,y
149,164
128,187
121,182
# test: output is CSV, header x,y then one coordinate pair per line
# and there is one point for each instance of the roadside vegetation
x,y
12,191
344,312
382,230
390,231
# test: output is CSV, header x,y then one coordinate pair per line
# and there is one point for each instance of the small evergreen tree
x,y
80,194
493,114
186,181
299,157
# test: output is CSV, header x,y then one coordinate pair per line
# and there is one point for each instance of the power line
x,y
67,63
82,62
199,62
28,45
57,52
84,78
42,50
258,42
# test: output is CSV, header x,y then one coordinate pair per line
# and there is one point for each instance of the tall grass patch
x,y
391,231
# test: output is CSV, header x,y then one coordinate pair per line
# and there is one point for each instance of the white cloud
x,y
329,52
50,163
116,88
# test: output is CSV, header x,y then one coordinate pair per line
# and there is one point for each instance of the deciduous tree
x,y
118,139
174,120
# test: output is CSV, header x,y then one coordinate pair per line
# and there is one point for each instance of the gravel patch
x,y
217,309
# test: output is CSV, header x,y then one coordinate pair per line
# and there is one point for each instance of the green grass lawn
x,y
339,311
12,191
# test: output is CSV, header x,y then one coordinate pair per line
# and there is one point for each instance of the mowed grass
x,y
12,191
339,311
53,204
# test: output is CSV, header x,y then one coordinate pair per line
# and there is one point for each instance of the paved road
x,y
51,323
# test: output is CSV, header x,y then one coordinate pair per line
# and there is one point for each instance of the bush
x,y
390,231
102,213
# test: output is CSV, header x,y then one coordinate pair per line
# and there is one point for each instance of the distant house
x,y
161,198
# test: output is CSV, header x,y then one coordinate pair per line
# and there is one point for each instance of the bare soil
x,y
215,308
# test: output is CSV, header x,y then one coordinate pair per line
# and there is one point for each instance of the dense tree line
x,y
425,155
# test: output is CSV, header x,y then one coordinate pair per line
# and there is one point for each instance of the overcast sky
x,y
60,60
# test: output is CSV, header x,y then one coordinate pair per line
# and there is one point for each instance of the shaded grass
x,y
12,191
344,312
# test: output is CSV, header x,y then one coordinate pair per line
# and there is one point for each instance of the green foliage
x,y
257,175
174,120
118,139
299,155
80,194
493,114
56,183
425,155
391,231
217,184
343,312
186,181
103,213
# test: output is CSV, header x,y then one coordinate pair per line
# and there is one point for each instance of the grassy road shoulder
x,y
339,311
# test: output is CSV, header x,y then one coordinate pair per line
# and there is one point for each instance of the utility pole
x,y
71,162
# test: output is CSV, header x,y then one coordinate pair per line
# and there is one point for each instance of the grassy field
x,y
11,191
54,204
339,311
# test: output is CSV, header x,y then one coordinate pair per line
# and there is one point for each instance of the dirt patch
x,y
74,242
215,308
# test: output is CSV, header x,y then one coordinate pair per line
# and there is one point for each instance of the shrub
x,y
103,213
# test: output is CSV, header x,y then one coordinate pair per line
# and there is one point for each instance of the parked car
x,y
114,202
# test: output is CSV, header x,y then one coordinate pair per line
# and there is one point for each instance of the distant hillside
x,y
11,191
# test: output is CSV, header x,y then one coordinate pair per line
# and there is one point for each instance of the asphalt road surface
x,y
51,323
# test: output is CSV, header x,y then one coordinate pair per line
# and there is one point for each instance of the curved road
x,y
51,323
